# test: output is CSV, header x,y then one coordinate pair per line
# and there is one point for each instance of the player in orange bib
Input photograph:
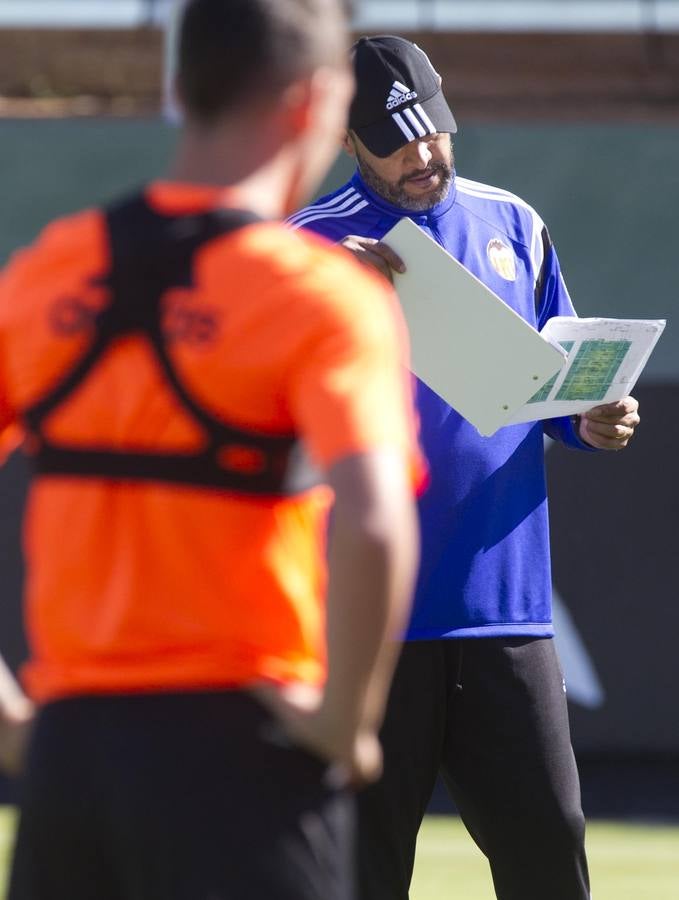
x,y
195,383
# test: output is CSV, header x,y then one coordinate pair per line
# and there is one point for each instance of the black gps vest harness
x,y
151,254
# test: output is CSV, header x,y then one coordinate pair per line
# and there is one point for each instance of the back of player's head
x,y
233,53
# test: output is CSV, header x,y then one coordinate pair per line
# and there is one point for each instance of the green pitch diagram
x,y
593,370
546,389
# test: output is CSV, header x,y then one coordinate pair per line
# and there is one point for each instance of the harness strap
x,y
151,254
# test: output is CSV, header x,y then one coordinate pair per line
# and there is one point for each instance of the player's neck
x,y
264,181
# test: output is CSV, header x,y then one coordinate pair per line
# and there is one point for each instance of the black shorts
x,y
177,797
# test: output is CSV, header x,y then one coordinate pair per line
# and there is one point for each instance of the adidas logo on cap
x,y
399,94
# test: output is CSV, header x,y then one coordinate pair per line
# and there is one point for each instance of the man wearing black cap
x,y
479,694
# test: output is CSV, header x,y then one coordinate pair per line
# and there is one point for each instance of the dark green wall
x,y
48,168
609,193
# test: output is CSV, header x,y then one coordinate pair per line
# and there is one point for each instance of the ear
x,y
348,145
307,99
296,105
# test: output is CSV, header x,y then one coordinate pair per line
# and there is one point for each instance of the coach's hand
x,y
374,253
610,427
311,724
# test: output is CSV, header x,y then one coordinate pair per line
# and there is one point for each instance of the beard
x,y
395,192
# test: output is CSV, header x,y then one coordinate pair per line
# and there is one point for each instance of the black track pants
x,y
491,715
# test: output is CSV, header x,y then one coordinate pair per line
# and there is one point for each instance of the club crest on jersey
x,y
502,259
399,94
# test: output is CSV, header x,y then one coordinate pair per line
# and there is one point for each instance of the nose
x,y
422,154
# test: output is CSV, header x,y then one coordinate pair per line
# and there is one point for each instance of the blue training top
x,y
485,569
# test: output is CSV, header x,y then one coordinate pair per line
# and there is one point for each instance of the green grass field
x,y
7,821
628,862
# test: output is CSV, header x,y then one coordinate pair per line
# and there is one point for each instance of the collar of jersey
x,y
434,212
183,197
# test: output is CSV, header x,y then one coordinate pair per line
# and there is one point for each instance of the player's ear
x,y
308,100
296,105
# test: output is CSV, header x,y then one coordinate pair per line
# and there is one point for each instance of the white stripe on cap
x,y
425,118
401,87
400,121
415,122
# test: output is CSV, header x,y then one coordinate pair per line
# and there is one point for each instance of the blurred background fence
x,y
507,15
564,58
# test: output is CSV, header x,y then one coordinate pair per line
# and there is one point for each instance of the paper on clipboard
x,y
605,359
467,345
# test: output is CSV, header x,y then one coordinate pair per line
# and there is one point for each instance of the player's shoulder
x,y
71,244
500,207
305,258
315,278
72,236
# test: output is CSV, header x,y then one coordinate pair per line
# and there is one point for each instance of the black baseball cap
x,y
398,95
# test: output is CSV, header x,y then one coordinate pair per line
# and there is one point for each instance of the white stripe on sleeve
x,y
486,192
333,214
333,203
